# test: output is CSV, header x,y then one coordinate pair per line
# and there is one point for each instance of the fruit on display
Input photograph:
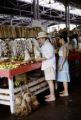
x,y
8,65
17,83
13,58
17,58
22,50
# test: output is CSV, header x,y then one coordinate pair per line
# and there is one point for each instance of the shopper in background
x,y
79,40
75,39
63,67
48,63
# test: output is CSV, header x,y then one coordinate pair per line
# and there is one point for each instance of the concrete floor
x,y
68,108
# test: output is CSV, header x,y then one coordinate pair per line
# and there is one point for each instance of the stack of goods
x,y
10,32
6,52
17,32
23,29
19,47
7,31
8,65
1,47
36,49
21,79
33,48
18,50
33,31
13,32
25,103
27,56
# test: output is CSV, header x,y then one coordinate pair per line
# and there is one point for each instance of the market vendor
x,y
48,63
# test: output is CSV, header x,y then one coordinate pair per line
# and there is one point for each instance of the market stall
x,y
18,56
7,96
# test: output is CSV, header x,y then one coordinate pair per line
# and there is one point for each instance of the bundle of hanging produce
x,y
6,52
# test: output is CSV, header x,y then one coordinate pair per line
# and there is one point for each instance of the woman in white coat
x,y
48,63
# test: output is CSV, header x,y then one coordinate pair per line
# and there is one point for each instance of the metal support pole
x,y
67,15
38,9
35,9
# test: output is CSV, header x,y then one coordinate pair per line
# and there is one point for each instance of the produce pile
x,y
18,51
8,65
25,103
7,31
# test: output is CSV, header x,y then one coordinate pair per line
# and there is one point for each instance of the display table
x,y
9,73
7,96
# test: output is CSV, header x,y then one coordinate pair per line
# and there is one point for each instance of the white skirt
x,y
50,73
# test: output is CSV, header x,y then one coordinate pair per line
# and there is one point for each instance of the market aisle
x,y
63,109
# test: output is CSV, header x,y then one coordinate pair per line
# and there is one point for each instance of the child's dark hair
x,y
64,35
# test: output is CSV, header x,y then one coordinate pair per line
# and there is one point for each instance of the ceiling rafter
x,y
26,9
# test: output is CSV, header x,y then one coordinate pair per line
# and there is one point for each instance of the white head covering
x,y
42,35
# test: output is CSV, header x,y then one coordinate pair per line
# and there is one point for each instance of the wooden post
x,y
11,92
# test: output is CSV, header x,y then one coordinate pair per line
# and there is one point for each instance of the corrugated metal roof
x,y
21,8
